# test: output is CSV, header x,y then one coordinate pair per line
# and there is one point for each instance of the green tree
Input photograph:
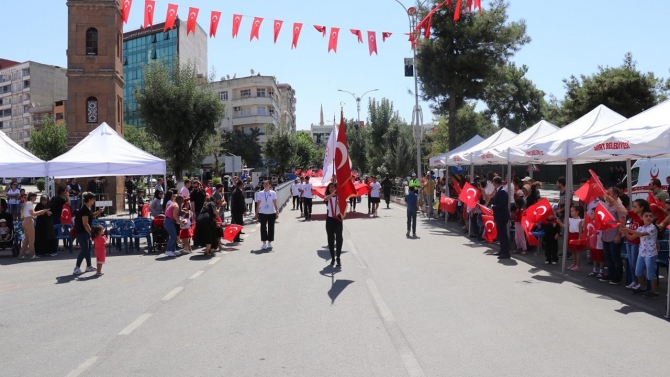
x,y
214,147
303,148
357,141
623,89
468,122
50,141
180,110
461,59
400,158
319,155
243,144
140,138
382,117
280,150
513,99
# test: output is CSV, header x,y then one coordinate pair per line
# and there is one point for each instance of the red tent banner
x,y
255,28
490,230
372,42
334,35
604,219
448,204
192,20
214,23
127,4
358,34
345,184
297,27
277,28
231,232
469,195
171,17
237,21
149,6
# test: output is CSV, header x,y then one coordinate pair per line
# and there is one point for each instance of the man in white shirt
x,y
306,194
295,192
375,189
186,193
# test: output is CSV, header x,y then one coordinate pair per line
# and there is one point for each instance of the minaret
x,y
321,122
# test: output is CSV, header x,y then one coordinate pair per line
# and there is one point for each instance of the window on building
x,y
223,96
59,116
119,43
245,112
245,93
92,110
26,83
92,41
119,109
260,92
261,110
1,125
26,72
153,54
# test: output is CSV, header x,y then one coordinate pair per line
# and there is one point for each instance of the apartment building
x,y
287,103
24,86
251,102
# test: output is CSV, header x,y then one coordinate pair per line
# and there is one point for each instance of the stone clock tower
x,y
95,71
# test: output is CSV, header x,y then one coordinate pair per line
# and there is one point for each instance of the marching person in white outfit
x,y
267,212
375,189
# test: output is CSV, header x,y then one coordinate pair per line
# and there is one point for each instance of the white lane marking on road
x,y
214,261
354,252
245,236
196,275
172,294
135,324
394,331
82,367
379,301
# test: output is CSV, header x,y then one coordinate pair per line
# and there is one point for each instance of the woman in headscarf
x,y
206,231
29,216
44,230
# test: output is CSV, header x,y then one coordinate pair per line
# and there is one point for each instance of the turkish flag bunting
x,y
171,17
478,5
345,184
591,190
214,23
334,34
237,20
126,10
426,33
372,42
277,27
527,227
485,210
386,34
297,27
457,13
448,204
358,34
604,219
192,20
320,29
656,206
255,28
231,232
539,211
490,230
149,6
469,4
469,195
411,39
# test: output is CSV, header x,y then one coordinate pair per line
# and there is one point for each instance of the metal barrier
x,y
283,194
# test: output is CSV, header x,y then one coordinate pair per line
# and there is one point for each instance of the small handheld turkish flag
x,y
604,219
66,215
490,230
591,190
656,207
469,195
539,211
527,227
447,204
231,232
486,210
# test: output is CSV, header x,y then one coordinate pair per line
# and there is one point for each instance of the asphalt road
x,y
434,306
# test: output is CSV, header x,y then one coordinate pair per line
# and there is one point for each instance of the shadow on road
x,y
324,253
336,286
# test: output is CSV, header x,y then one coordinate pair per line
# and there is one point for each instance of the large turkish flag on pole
x,y
345,184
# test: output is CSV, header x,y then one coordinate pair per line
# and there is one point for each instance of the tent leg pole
x,y
566,217
629,182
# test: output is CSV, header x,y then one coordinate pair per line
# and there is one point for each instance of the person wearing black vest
x,y
333,225
238,207
501,216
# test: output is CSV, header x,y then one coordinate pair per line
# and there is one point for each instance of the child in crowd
x,y
100,246
575,229
412,206
5,232
551,231
648,256
597,256
519,235
23,197
185,232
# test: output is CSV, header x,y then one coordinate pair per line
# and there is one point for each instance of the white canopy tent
x,y
105,153
18,162
441,159
556,147
499,154
644,135
467,156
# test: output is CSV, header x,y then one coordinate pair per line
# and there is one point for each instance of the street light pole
x,y
416,118
358,101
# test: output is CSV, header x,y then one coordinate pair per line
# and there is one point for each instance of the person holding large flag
x,y
333,225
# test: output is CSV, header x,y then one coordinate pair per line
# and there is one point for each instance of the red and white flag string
x,y
256,22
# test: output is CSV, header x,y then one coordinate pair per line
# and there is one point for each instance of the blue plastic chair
x,y
539,234
64,232
123,230
142,229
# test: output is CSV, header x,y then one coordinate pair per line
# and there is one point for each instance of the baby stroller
x,y
8,242
158,233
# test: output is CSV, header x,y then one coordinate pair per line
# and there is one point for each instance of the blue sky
x,y
568,37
